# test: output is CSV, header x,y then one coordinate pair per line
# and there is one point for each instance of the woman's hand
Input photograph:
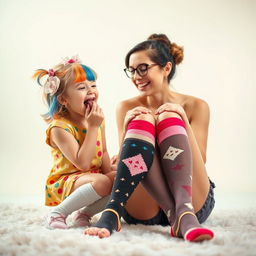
x,y
113,162
95,115
131,114
113,159
172,107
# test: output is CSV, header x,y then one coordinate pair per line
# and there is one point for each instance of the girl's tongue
x,y
89,102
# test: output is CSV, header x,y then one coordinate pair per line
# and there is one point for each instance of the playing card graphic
x,y
172,153
135,164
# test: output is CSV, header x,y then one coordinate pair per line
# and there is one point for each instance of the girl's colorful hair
x,y
65,73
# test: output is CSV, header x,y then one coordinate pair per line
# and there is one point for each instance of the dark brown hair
x,y
161,51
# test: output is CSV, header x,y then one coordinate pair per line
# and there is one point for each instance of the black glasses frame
x,y
130,73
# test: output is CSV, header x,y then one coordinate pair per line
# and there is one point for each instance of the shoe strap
x,y
118,218
81,214
57,218
178,227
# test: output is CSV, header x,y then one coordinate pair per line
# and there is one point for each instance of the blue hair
x,y
53,107
90,76
82,72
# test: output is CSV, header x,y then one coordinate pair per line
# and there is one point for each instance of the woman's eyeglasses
x,y
141,70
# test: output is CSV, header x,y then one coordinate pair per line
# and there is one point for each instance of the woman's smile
x,y
142,85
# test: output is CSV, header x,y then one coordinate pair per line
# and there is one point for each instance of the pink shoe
x,y
81,219
59,221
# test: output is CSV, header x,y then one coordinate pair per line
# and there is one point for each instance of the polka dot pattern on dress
x,y
64,173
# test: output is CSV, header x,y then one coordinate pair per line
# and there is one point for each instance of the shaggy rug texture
x,y
22,232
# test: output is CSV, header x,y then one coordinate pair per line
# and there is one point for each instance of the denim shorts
x,y
161,218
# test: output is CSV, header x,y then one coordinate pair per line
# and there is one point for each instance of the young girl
x,y
172,125
81,173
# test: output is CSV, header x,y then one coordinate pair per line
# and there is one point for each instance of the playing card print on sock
x,y
135,164
172,153
188,189
177,167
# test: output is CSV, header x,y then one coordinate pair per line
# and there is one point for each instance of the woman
x,y
179,125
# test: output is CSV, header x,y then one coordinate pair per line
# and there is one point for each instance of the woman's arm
x,y
121,111
197,121
125,112
105,167
199,124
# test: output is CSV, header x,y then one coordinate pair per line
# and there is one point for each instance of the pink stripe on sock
x,y
142,125
170,122
145,133
170,131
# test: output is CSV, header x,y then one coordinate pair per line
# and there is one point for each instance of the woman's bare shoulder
x,y
193,101
128,104
194,106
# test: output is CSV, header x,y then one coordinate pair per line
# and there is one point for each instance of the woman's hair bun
x,y
175,50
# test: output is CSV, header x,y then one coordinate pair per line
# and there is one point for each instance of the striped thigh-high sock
x,y
136,158
177,165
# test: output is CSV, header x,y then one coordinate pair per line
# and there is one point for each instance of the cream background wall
x,y
219,66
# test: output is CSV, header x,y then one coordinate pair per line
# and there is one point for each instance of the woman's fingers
x,y
167,107
113,159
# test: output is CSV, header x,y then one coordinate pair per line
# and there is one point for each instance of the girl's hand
x,y
172,107
94,116
131,114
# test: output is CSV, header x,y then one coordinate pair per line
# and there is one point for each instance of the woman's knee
x,y
146,117
166,115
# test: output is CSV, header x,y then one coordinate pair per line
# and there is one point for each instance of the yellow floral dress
x,y
63,173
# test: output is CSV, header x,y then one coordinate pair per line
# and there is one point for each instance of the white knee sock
x,y
83,196
96,207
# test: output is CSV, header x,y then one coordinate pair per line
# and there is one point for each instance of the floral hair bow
x,y
52,84
74,59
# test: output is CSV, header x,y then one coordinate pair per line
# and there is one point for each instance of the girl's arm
x,y
80,156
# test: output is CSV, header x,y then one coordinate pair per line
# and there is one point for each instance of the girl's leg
x,y
176,158
135,160
86,190
82,217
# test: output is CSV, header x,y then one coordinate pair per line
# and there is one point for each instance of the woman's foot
x,y
100,232
108,222
189,228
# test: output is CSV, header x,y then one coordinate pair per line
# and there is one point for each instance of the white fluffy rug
x,y
22,233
